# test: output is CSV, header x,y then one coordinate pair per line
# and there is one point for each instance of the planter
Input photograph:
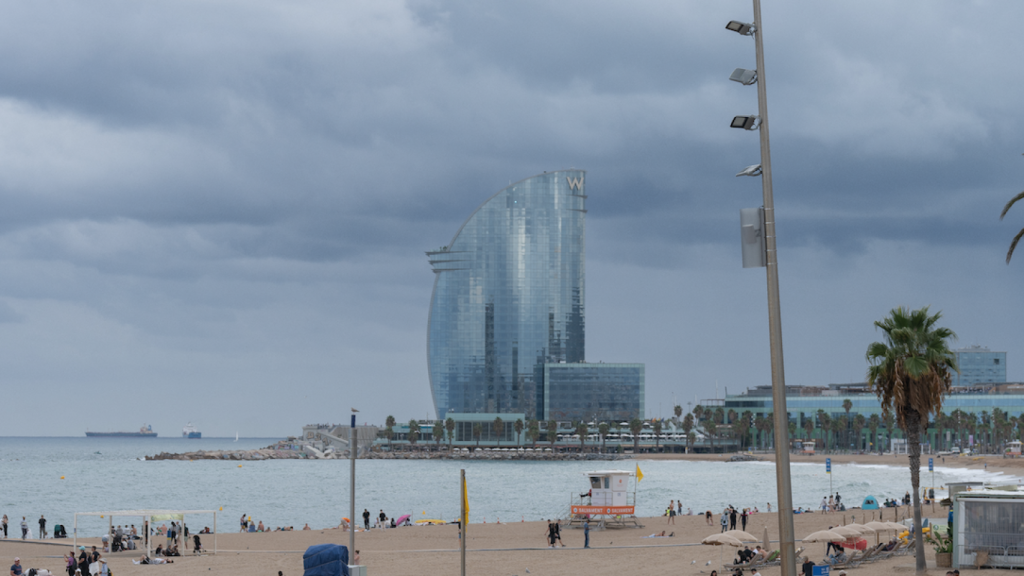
x,y
943,559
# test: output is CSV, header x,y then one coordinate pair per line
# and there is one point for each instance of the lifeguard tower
x,y
1012,449
608,503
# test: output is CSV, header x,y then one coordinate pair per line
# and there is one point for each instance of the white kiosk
x,y
608,503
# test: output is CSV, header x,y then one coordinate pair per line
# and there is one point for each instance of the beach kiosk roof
x,y
149,515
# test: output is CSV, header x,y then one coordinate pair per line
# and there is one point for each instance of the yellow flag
x,y
639,473
465,501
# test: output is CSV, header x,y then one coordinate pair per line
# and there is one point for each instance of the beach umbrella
x,y
741,535
878,527
767,542
721,540
824,536
847,532
401,519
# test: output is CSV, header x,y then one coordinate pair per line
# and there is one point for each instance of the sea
x,y
57,477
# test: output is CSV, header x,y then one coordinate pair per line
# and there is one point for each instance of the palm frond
x,y
1009,253
1010,203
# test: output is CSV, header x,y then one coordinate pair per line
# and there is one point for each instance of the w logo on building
x,y
575,184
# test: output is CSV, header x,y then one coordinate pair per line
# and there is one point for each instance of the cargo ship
x,y
190,431
145,432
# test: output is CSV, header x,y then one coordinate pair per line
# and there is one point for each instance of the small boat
x,y
190,431
236,436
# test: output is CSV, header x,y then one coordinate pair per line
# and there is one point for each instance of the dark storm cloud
x,y
236,196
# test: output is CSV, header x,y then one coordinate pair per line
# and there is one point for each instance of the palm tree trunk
x,y
913,431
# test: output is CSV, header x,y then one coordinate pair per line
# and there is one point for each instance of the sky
x,y
216,211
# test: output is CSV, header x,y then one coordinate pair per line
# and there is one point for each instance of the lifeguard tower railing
x,y
581,507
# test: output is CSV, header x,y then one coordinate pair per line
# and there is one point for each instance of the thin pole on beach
x,y
462,517
352,447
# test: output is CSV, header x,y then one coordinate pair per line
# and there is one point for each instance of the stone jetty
x,y
298,451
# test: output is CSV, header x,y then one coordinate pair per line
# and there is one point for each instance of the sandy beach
x,y
493,549
512,548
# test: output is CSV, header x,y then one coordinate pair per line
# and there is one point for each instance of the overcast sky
x,y
216,211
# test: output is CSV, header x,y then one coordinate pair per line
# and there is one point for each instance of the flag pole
x,y
463,518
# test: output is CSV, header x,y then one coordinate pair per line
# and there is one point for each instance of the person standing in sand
x,y
24,528
4,522
725,520
586,533
707,517
551,534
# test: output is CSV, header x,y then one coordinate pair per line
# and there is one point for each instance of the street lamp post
x,y
781,416
353,447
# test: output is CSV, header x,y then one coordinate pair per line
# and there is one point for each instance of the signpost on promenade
x,y
828,470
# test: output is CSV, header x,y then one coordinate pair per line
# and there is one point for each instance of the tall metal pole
x,y
353,447
785,490
463,520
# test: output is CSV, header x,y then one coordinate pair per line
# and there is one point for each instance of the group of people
x,y
832,505
746,555
905,501
26,531
555,534
730,516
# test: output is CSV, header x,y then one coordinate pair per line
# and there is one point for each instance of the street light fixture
x,y
754,170
741,27
746,122
744,76
767,231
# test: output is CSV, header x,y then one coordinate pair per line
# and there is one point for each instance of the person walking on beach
x,y
244,525
24,528
732,518
743,518
42,526
5,526
551,534
671,512
725,520
366,518
586,533
558,534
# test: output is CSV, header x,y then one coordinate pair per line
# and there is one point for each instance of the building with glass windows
x,y
593,392
508,299
979,365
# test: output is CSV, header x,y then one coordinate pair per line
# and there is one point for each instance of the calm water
x,y
108,474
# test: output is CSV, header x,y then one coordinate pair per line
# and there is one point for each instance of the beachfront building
x,y
509,299
849,416
593,391
979,365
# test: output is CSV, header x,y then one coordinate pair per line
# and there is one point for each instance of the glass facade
x,y
979,365
509,297
593,392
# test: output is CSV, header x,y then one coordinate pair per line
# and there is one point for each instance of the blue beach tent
x,y
325,560
869,503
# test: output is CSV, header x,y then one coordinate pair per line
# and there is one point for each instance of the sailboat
x,y
236,436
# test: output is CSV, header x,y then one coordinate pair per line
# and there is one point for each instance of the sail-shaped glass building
x,y
509,293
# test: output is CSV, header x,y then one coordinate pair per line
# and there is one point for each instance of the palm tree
x,y
809,427
759,426
657,435
636,426
449,425
873,423
687,429
825,422
1013,243
744,426
499,429
414,432
678,411
438,432
552,432
602,429
910,372
478,430
890,426
847,405
838,425
389,431
518,427
711,428
858,427
719,415
698,413
581,430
